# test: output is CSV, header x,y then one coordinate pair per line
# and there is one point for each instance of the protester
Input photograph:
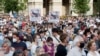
x,y
56,36
35,38
98,41
42,35
86,35
1,38
49,46
78,46
61,48
18,44
8,50
29,35
92,49
34,45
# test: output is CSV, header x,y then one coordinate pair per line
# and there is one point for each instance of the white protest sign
x,y
54,16
35,15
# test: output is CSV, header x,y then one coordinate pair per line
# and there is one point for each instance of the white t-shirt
x,y
9,54
28,44
91,54
75,51
33,49
55,41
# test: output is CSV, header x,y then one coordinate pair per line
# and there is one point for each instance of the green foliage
x,y
22,5
13,5
81,6
97,6
1,5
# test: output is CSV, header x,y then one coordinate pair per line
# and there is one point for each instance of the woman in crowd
x,y
92,49
61,48
49,46
34,45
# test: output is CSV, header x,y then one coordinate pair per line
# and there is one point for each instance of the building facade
x,y
63,6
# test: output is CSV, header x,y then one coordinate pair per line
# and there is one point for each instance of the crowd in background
x,y
73,36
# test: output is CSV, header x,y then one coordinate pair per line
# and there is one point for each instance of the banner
x,y
35,15
54,17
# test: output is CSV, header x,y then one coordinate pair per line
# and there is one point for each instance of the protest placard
x,y
35,15
54,17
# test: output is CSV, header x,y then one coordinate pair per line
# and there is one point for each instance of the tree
x,y
81,6
10,5
1,5
23,4
97,6
14,5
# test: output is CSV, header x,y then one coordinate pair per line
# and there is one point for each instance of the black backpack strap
x,y
57,39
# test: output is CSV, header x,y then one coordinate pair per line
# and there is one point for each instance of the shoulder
x,y
33,47
97,53
73,50
14,43
89,54
22,43
60,46
70,53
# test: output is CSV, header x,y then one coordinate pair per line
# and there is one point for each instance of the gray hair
x,y
76,40
6,41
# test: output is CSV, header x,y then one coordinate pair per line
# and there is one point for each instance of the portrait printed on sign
x,y
35,15
54,15
35,12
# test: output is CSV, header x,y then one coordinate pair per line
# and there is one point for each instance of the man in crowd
x,y
17,43
29,35
55,36
98,42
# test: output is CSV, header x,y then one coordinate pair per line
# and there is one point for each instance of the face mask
x,y
14,40
88,35
49,44
38,40
81,45
49,29
80,33
10,34
15,30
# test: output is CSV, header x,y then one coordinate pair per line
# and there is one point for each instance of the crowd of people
x,y
73,36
